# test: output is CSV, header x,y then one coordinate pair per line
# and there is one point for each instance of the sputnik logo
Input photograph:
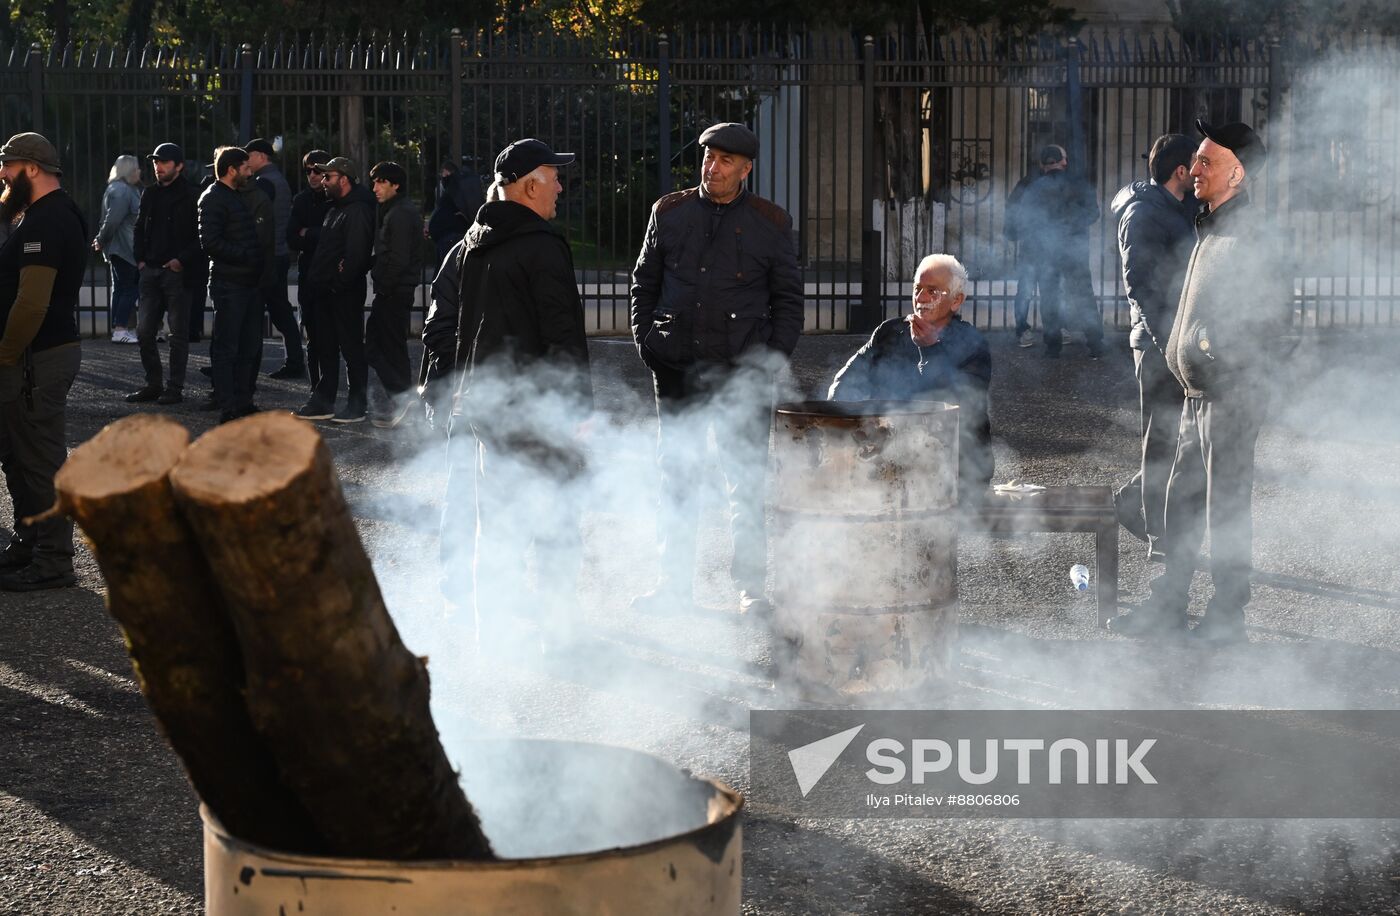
x,y
811,761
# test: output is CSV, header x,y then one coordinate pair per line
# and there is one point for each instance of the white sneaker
x,y
1027,338
124,336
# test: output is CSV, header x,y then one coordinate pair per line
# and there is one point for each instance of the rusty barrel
x,y
865,546
581,829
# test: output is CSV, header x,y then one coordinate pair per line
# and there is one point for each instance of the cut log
x,y
182,644
330,686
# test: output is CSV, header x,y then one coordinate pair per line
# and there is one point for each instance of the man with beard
x,y
338,267
235,229
716,310
41,272
273,183
309,209
167,250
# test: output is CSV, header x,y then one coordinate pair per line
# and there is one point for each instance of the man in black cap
x,y
167,254
1155,235
338,267
1228,337
524,373
235,229
279,309
716,310
41,273
397,271
309,209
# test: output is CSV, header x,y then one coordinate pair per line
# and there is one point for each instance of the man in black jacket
x,y
166,245
1154,241
932,355
459,196
236,229
397,271
338,266
273,183
1228,340
525,391
309,209
716,310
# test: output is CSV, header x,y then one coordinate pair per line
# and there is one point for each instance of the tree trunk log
x,y
331,687
116,487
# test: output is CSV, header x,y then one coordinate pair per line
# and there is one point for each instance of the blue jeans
x,y
125,288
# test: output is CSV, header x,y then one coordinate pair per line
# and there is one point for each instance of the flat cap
x,y
732,138
524,156
167,152
32,147
1239,139
340,165
260,146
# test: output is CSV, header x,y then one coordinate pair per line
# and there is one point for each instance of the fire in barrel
x,y
865,551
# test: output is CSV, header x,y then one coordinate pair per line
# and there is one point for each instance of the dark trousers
x,y
308,298
283,316
340,326
1067,299
386,338
199,300
236,344
125,284
163,293
1211,489
689,403
33,416
1159,406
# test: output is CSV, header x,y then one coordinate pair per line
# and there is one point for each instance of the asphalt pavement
x,y
96,817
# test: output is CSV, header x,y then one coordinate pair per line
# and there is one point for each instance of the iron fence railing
x,y
883,148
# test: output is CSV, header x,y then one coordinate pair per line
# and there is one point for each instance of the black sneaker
x,y
33,579
314,410
210,404
144,395
1221,628
288,371
393,417
15,557
350,413
170,396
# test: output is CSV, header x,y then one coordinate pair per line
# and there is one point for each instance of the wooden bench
x,y
1062,509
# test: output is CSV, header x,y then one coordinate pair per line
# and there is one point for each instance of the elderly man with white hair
x,y
932,354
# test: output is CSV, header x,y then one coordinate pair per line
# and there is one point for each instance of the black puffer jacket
x,y
519,301
228,232
714,281
398,245
1232,326
343,250
1154,241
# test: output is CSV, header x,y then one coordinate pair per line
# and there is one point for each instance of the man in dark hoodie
x,y
309,209
397,271
1155,235
525,390
236,231
273,183
338,268
1228,338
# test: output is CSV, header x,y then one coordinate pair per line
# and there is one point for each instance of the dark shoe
x,y
144,395
1129,512
314,410
394,416
15,557
755,603
662,601
32,579
288,371
1095,349
171,396
207,371
211,404
1221,628
350,413
1148,623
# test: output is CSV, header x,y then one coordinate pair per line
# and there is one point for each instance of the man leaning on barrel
x,y
716,309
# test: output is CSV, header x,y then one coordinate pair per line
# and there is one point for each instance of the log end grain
x,y
248,459
125,456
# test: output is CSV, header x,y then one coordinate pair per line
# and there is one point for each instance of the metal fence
x,y
883,149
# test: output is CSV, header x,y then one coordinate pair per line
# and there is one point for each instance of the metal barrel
x,y
580,828
865,546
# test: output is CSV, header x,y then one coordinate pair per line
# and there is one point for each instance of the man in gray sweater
x,y
1228,337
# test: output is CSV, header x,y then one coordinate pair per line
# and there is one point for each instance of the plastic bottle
x,y
1079,575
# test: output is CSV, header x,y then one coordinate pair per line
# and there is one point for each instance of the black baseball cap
x,y
167,152
524,156
314,158
1238,138
260,146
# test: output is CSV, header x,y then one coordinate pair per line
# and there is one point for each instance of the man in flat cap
x,y
525,394
273,183
1228,337
167,251
716,310
41,273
